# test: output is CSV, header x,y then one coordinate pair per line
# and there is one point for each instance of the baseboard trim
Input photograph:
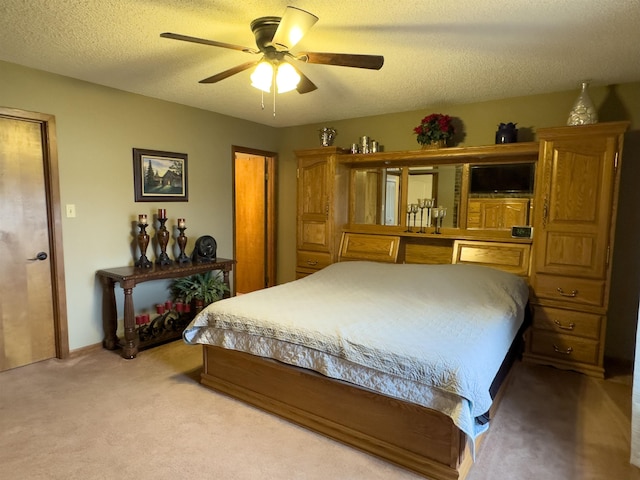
x,y
79,352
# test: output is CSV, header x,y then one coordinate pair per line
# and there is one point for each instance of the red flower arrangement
x,y
433,128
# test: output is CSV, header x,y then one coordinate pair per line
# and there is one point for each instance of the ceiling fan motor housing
x,y
264,28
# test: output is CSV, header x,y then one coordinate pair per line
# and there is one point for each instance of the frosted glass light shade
x,y
294,24
262,76
287,78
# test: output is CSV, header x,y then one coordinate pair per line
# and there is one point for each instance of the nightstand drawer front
x,y
567,322
570,289
313,260
567,348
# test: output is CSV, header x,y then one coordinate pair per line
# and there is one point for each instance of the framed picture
x,y
160,176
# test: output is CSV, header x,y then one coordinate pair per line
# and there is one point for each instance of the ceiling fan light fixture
x,y
287,78
262,76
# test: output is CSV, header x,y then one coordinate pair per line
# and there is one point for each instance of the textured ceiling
x,y
436,52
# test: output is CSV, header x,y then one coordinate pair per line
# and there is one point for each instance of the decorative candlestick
x,y
163,240
428,204
421,206
436,214
412,208
443,213
182,243
143,243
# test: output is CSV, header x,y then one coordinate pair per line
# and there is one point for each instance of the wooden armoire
x,y
577,194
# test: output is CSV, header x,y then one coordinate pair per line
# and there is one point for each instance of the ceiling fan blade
x,y
305,85
372,62
228,73
294,25
186,38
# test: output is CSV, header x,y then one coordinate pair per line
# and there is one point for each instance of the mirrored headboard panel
x,y
396,189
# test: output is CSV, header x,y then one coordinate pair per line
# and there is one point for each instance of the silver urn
x,y
327,136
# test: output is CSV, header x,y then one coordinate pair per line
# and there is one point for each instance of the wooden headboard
x,y
512,257
362,246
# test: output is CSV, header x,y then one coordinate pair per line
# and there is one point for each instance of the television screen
x,y
503,178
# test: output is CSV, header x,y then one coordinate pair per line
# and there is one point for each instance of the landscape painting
x,y
159,176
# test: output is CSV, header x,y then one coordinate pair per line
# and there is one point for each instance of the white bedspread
x,y
434,335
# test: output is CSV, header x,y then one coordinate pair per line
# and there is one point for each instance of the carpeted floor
x,y
98,416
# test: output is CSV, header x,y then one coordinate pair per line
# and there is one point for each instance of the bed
x,y
403,361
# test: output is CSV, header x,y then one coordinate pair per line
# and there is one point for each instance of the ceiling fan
x,y
275,37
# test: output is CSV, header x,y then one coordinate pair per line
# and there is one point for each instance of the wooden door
x,y
254,221
577,180
31,285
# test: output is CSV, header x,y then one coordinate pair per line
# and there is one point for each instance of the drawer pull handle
x,y
559,325
313,263
564,352
574,293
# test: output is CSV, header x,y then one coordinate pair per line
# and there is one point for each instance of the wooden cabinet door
x,y
497,213
515,213
314,197
491,214
577,181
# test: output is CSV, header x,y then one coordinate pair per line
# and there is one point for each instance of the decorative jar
x,y
507,133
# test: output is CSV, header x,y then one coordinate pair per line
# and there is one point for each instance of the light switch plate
x,y
71,210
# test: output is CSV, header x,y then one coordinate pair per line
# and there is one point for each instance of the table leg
x,y
225,278
130,347
109,314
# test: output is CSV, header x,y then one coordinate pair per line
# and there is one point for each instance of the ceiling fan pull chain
x,y
274,100
262,100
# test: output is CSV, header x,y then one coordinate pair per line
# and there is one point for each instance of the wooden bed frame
x,y
418,438
414,437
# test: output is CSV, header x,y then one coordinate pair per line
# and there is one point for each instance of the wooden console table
x,y
129,277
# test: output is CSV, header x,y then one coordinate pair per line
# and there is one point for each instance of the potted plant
x,y
434,130
200,289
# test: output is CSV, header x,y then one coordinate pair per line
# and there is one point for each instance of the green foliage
x,y
208,287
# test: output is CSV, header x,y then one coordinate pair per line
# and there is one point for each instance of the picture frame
x,y
160,176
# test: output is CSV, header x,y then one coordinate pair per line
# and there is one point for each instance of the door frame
x,y
271,161
54,220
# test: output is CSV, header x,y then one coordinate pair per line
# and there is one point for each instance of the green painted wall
x,y
97,127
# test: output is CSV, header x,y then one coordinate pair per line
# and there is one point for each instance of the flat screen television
x,y
502,178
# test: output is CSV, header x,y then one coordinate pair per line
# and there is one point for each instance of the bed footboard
x,y
415,437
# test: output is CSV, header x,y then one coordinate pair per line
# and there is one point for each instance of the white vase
x,y
583,111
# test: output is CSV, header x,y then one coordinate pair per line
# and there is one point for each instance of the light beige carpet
x,y
99,416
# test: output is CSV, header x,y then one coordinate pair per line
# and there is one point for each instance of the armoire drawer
x,y
313,260
575,290
567,348
562,321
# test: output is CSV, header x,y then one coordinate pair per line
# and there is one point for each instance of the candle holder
x,y
182,243
412,208
439,213
421,206
428,204
163,241
143,243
